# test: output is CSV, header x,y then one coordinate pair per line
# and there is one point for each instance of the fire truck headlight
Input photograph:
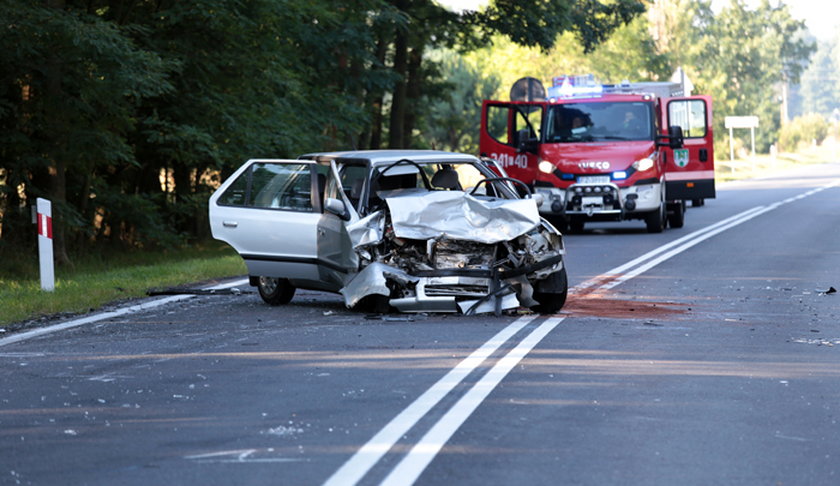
x,y
643,164
546,166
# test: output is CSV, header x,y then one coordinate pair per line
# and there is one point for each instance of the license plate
x,y
592,201
600,179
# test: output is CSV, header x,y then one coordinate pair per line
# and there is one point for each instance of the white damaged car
x,y
415,231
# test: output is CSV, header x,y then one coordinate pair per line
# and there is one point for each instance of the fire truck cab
x,y
606,152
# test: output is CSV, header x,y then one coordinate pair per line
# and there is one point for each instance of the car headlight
x,y
546,166
643,164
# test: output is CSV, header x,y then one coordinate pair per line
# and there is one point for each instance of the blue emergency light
x,y
574,86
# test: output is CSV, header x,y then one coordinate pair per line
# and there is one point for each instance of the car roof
x,y
381,157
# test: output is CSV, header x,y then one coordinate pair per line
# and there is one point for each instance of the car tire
x,y
676,218
559,223
552,302
655,220
576,226
275,291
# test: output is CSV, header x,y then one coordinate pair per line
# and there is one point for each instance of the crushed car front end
x,y
448,251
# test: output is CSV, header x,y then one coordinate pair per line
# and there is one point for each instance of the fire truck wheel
x,y
697,202
655,220
275,291
676,216
559,222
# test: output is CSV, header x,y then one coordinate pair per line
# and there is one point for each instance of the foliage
x,y
809,129
537,24
105,276
451,121
820,89
740,56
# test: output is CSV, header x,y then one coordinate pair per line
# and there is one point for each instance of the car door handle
x,y
230,224
321,232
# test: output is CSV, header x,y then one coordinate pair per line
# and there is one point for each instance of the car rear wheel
x,y
552,302
275,291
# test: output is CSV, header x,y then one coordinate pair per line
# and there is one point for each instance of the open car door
x,y
269,211
690,170
508,131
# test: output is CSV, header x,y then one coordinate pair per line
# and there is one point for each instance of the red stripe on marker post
x,y
45,226
45,244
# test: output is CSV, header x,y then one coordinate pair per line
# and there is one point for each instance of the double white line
x,y
421,454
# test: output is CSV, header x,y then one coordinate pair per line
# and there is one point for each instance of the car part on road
x,y
182,291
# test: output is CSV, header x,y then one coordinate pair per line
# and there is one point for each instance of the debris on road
x,y
818,342
182,291
831,290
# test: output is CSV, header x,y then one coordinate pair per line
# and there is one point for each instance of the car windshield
x,y
441,176
599,122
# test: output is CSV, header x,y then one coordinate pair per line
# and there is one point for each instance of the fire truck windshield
x,y
601,121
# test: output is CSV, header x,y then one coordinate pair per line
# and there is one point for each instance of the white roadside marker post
x,y
45,244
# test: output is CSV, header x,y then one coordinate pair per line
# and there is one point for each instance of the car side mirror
x,y
524,142
675,136
336,207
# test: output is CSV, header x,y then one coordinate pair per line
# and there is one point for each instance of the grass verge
x,y
761,165
102,278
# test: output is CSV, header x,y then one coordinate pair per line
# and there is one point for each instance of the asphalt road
x,y
704,355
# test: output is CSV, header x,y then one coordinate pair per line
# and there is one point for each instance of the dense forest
x,y
128,113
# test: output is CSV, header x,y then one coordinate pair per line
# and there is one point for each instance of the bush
x,y
803,130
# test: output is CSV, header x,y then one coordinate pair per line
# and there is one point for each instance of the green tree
x,y
740,56
69,84
820,87
536,24
451,121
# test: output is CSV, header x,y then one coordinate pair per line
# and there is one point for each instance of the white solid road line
x,y
370,453
23,336
409,469
413,464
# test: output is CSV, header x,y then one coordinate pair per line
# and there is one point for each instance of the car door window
x,y
497,123
272,186
353,182
690,115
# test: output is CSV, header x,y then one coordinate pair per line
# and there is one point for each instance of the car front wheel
x,y
275,291
655,220
553,301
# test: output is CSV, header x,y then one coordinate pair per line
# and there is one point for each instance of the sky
x,y
821,16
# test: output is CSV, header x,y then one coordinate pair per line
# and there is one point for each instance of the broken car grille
x,y
462,254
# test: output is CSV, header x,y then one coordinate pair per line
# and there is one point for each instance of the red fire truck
x,y
605,152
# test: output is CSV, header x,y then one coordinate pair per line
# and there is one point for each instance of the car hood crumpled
x,y
459,216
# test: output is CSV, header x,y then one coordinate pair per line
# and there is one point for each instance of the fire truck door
x,y
504,128
690,170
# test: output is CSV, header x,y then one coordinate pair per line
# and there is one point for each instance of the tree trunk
x,y
398,102
58,181
414,91
371,137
